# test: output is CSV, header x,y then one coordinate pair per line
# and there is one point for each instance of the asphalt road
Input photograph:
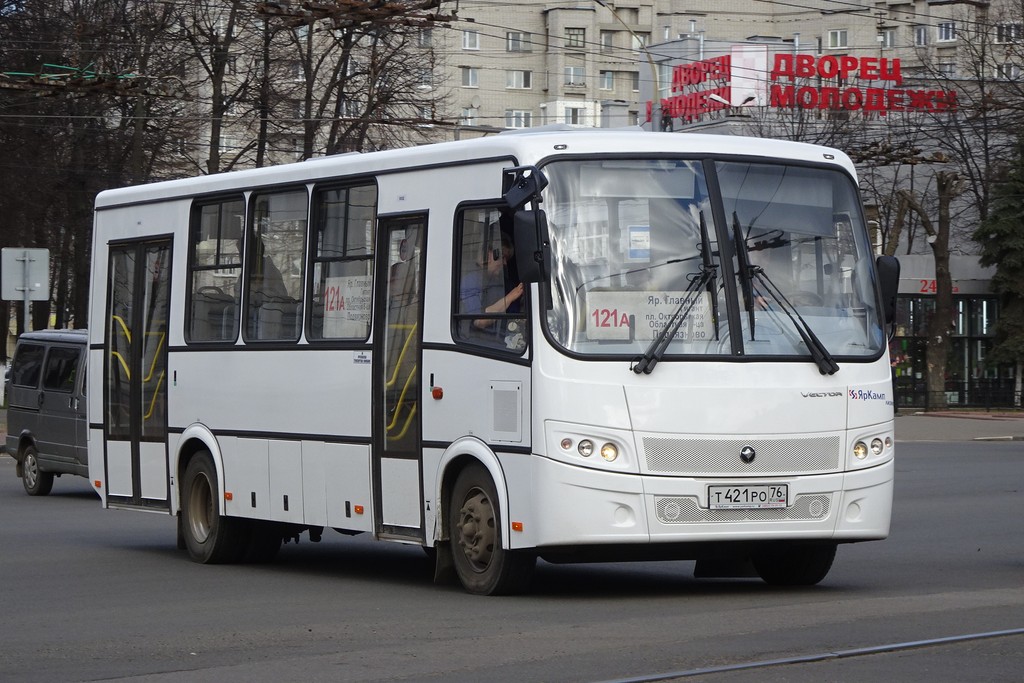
x,y
91,594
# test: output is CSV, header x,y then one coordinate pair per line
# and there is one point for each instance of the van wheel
x,y
210,537
35,481
475,529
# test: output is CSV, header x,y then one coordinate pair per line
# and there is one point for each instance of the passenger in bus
x,y
487,289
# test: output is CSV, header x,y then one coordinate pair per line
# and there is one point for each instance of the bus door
x,y
135,374
397,433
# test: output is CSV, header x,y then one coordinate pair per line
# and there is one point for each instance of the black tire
x,y
475,530
794,564
33,478
264,542
210,538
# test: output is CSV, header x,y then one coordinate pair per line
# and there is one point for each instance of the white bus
x,y
565,344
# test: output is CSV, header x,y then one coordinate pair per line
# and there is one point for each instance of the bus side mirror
x,y
530,232
888,268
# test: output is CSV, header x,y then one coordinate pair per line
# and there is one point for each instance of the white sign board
x,y
24,274
611,314
347,302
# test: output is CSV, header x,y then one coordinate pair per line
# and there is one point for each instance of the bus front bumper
x,y
574,506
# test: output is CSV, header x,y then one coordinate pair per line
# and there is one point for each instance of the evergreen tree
x,y
1001,237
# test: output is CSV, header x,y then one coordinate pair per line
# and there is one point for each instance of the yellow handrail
x,y
124,328
401,356
156,355
124,365
405,427
156,392
401,399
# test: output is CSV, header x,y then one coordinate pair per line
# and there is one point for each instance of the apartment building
x,y
596,62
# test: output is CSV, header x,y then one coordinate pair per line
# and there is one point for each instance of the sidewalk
x,y
953,425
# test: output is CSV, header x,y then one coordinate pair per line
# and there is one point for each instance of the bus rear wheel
x,y
474,525
794,564
210,537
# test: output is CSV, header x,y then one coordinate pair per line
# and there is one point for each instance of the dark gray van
x,y
46,421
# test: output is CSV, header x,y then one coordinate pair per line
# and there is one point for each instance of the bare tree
x,y
361,74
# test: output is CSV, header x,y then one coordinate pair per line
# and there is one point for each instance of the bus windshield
x,y
636,249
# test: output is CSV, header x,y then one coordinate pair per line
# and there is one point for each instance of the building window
x,y
470,40
1008,72
635,78
887,38
1009,33
946,68
837,38
575,38
575,116
607,80
639,41
607,41
518,118
946,31
517,41
425,38
469,77
469,116
575,75
520,80
920,35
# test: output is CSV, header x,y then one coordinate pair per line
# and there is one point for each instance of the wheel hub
x,y
476,529
200,509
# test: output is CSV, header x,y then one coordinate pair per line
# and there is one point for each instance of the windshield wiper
x,y
631,271
706,278
743,257
819,354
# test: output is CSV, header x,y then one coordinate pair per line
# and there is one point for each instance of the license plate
x,y
761,496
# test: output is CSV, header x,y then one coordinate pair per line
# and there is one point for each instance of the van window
x,y
61,369
28,362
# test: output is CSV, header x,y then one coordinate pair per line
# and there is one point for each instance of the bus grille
x,y
686,510
722,456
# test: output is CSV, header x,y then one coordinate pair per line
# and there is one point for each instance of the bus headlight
x,y
860,450
876,446
609,452
586,448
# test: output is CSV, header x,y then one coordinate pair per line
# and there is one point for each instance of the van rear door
x,y
24,399
61,423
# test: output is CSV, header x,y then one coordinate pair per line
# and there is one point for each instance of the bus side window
x,y
277,249
216,270
342,262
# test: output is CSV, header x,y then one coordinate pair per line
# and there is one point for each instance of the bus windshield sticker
x,y
611,314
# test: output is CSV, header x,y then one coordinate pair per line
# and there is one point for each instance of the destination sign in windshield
x,y
611,314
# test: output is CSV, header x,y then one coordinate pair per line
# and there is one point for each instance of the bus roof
x,y
528,146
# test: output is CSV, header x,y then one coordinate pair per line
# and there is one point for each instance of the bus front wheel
x,y
796,564
475,530
210,537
